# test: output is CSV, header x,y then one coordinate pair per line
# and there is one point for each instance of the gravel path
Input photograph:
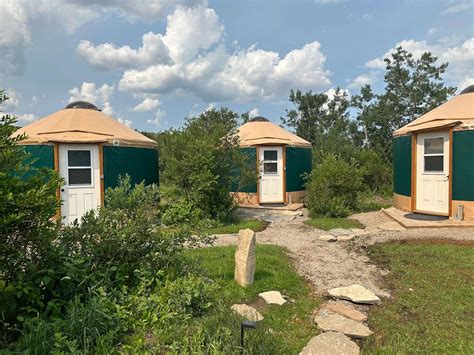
x,y
327,265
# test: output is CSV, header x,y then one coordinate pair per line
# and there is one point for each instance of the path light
x,y
246,324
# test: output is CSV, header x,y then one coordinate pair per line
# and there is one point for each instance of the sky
x,y
152,63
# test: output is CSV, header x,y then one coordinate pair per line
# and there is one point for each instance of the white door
x,y
79,166
271,175
432,179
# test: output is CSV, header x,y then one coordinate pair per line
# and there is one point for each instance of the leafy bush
x,y
333,187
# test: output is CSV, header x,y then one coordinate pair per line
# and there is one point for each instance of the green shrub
x,y
333,187
181,212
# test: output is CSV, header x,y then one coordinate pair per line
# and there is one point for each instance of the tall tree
x,y
412,88
320,119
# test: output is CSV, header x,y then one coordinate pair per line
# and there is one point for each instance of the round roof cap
x,y
83,105
468,90
259,119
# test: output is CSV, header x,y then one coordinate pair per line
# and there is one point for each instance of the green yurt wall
x,y
140,163
41,156
402,165
463,166
298,162
250,154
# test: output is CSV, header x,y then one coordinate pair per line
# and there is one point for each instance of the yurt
x,y
281,159
434,160
90,150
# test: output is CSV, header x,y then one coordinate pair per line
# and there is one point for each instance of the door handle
x,y
62,190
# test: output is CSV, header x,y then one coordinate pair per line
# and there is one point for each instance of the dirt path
x,y
335,264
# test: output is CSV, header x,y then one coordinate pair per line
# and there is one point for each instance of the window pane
x,y
434,163
270,155
79,176
270,168
79,157
434,146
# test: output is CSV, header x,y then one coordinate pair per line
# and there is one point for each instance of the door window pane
x,y
434,146
79,157
270,155
270,168
80,176
434,163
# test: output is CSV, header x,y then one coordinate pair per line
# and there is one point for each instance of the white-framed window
x,y
270,162
79,167
433,155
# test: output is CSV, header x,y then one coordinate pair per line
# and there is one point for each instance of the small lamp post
x,y
246,324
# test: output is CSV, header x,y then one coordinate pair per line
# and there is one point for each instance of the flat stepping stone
x,y
345,238
392,226
272,297
329,321
355,293
345,311
340,231
330,343
247,312
327,238
359,232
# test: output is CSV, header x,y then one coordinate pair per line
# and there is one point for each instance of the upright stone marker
x,y
245,258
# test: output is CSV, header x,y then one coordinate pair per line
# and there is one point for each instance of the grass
x,y
327,223
285,329
432,310
234,227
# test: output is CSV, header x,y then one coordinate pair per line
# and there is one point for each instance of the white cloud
x,y
98,96
460,57
458,6
147,105
192,57
254,112
21,19
432,31
124,121
159,115
26,118
13,100
364,79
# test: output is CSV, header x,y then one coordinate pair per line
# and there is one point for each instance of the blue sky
x,y
151,63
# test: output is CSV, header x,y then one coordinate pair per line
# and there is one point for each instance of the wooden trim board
x,y
101,173
56,168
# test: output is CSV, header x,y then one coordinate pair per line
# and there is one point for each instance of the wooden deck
x,y
288,207
399,216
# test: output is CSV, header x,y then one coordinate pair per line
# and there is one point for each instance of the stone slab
x,y
247,312
345,311
327,238
330,343
328,321
272,297
245,258
355,293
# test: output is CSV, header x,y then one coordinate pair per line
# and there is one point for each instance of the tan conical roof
x,y
79,125
458,112
265,133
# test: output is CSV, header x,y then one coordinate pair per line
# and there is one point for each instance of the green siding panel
x,y
140,163
251,155
402,165
463,166
41,156
298,163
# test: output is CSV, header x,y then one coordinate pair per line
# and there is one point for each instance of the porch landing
x,y
400,217
276,207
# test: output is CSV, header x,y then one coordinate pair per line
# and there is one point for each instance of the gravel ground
x,y
327,265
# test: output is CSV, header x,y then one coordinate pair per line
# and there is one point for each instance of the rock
x,y
327,238
345,238
329,321
345,311
340,231
272,297
330,343
359,232
392,226
245,258
247,312
355,293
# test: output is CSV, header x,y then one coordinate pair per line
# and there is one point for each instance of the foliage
x,y
328,223
432,304
201,161
291,324
333,187
412,88
235,226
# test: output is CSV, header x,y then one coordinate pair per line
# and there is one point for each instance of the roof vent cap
x,y
259,119
83,105
468,90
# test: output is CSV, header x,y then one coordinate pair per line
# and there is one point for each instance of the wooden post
x,y
56,168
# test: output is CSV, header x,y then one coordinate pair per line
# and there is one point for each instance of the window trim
x,y
90,167
270,161
433,172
